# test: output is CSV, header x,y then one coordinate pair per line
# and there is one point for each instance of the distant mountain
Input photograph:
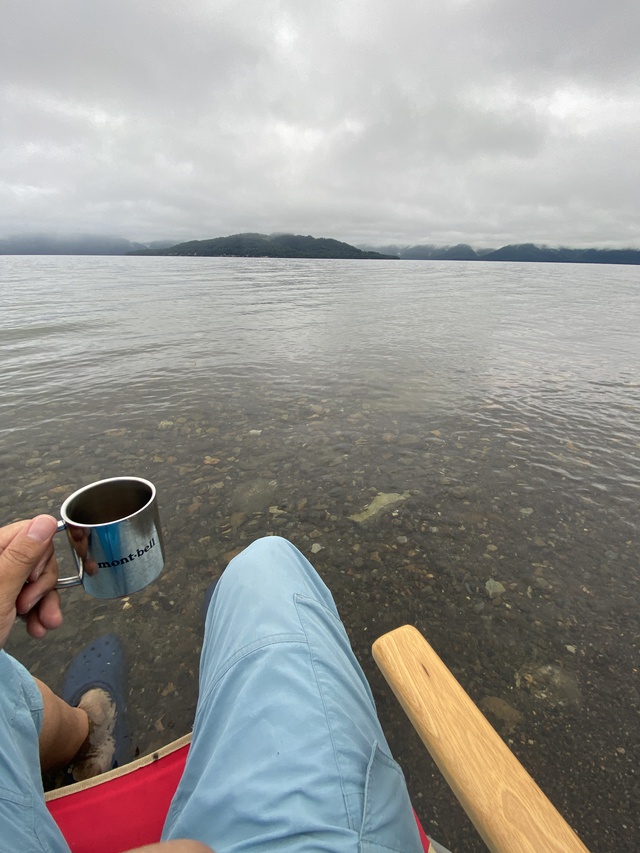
x,y
525,252
268,246
429,252
298,246
51,244
521,253
461,252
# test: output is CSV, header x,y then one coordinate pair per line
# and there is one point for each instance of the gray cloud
x,y
483,122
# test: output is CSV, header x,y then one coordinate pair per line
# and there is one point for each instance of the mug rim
x,y
68,521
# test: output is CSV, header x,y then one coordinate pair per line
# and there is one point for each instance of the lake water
x,y
496,407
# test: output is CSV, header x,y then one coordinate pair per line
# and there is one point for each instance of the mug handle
x,y
76,580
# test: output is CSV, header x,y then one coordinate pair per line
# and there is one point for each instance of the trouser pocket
x,y
388,823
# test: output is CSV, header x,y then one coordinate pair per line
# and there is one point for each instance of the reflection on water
x,y
500,400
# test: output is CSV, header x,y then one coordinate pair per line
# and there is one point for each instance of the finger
x,y
50,612
35,628
90,567
32,593
24,553
9,531
35,574
45,616
80,539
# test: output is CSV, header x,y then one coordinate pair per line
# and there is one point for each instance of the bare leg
x,y
64,730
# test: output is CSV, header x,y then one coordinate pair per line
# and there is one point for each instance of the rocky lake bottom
x,y
527,589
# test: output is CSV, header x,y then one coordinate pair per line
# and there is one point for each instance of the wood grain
x,y
506,806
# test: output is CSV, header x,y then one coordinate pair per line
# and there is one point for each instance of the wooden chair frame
x,y
505,805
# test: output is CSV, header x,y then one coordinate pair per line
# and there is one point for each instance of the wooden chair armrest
x,y
506,806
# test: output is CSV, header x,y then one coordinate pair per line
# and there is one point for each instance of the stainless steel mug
x,y
113,527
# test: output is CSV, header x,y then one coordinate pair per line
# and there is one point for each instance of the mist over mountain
x,y
70,244
252,245
520,253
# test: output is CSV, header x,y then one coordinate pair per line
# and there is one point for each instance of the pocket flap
x,y
388,823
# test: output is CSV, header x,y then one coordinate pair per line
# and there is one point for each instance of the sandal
x,y
96,681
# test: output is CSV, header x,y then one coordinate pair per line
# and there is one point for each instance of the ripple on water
x,y
292,394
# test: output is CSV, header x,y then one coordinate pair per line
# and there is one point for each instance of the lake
x,y
495,408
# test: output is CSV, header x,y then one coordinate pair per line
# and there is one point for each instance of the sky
x,y
371,121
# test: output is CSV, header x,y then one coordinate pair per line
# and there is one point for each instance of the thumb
x,y
24,552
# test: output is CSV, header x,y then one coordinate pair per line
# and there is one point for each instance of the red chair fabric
x,y
127,807
122,812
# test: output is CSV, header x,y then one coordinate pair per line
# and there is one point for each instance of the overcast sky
x,y
371,121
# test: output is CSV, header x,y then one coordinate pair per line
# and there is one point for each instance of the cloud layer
x,y
480,121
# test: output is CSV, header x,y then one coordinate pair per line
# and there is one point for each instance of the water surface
x,y
499,401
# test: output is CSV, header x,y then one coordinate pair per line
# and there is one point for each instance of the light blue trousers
x,y
287,751
25,823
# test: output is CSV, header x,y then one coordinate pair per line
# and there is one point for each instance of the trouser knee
x,y
273,568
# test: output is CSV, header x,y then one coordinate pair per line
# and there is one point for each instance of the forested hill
x,y
297,246
520,253
268,246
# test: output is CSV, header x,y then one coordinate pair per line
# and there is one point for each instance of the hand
x,y
28,575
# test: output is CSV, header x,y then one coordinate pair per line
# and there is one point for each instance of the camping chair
x,y
506,806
